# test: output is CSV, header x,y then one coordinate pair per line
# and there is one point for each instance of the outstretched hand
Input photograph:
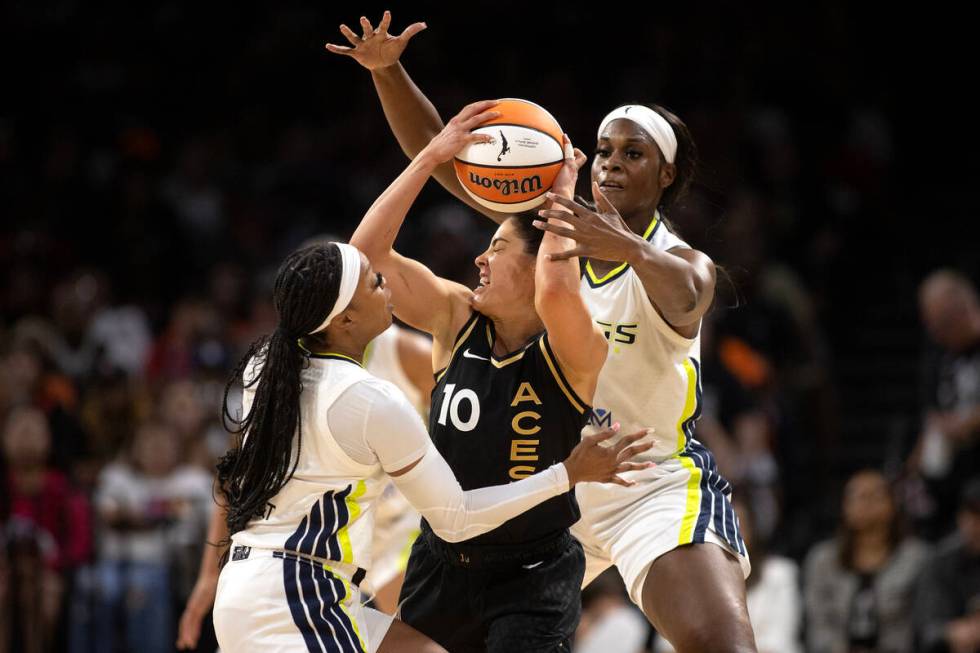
x,y
591,460
375,48
601,234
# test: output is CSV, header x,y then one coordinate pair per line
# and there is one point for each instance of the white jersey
x,y
651,378
396,522
381,359
325,510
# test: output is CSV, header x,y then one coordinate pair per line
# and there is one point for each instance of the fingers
x,y
412,30
567,146
627,440
580,157
601,201
574,207
349,35
385,22
474,109
633,467
479,138
479,119
565,216
339,49
635,450
366,27
569,253
602,436
555,229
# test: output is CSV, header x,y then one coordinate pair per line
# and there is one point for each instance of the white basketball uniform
x,y
396,523
291,583
651,379
312,544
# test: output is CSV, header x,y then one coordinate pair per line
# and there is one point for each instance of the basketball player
x,y
516,365
673,536
318,435
404,358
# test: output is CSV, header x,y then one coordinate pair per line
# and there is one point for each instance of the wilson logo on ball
x,y
518,166
508,186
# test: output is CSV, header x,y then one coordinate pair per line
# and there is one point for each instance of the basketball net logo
x,y
504,149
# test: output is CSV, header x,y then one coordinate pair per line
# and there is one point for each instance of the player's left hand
x,y
602,235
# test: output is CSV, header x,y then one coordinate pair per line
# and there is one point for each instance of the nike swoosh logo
x,y
536,564
467,354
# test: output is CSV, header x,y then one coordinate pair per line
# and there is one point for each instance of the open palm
x,y
375,48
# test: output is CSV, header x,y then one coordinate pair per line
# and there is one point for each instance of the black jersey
x,y
496,420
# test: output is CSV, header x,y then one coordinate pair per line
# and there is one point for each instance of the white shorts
x,y
271,604
683,500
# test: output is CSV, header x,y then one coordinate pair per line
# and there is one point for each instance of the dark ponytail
x,y
256,468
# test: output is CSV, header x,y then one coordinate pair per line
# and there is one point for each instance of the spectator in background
x,y
153,511
46,531
948,451
859,586
948,597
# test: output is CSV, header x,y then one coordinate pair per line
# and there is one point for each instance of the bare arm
x,y
202,596
420,298
577,341
679,282
412,117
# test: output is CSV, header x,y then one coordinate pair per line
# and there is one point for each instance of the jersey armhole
x,y
461,337
563,384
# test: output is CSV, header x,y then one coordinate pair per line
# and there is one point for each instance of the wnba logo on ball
x,y
508,186
512,170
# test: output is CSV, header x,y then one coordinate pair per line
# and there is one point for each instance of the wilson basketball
x,y
517,167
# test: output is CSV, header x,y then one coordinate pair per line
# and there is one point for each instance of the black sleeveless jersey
x,y
496,420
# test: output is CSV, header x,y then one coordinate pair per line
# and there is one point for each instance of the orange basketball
x,y
512,172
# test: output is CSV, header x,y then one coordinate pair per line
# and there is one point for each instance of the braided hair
x,y
256,468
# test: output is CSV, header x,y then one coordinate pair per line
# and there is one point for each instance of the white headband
x,y
350,274
651,122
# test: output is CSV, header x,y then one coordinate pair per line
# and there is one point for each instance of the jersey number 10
x,y
450,407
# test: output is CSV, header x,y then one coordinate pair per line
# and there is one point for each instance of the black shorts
x,y
529,602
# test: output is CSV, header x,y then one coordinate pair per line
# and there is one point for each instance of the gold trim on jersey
x,y
594,280
460,339
497,362
692,508
572,399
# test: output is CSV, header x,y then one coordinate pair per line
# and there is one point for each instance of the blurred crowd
x,y
156,163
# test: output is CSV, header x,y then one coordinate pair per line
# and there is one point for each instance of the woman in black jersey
x,y
516,362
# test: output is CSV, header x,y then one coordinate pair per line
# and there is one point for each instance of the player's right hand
x,y
591,460
375,48
458,132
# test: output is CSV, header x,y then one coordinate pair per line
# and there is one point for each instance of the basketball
x,y
517,167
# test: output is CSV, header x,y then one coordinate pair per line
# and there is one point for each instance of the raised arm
x,y
412,117
576,340
679,282
420,298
